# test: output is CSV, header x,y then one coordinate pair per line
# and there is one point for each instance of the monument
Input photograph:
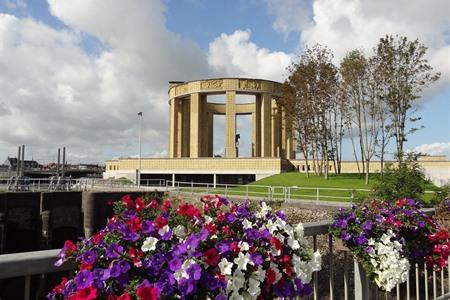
x,y
192,117
191,134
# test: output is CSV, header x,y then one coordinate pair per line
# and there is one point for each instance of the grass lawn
x,y
336,188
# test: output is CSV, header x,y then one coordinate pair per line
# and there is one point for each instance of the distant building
x,y
11,164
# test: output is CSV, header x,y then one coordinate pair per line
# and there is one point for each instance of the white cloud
x,y
290,15
54,93
434,149
343,25
236,55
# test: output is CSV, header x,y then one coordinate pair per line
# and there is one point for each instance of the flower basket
x,y
387,239
154,249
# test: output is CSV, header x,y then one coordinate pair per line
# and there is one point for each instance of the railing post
x,y
361,284
27,287
246,191
317,196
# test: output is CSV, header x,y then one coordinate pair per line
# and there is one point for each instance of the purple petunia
x,y
84,279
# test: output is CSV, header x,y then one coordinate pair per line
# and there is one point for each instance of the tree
x,y
359,87
404,72
309,94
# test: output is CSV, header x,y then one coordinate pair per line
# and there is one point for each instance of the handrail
x,y
30,263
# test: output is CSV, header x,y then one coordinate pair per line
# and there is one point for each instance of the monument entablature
x,y
221,85
192,118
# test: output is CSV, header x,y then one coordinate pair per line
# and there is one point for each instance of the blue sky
x,y
105,60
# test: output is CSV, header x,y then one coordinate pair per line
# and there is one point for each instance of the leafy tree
x,y
310,94
404,179
403,72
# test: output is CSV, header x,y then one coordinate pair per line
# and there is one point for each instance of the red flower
x,y
211,257
139,204
270,276
97,238
276,243
226,230
59,288
188,210
135,224
147,293
167,204
160,222
211,227
85,266
235,247
127,201
69,246
124,296
286,259
400,202
220,217
89,293
153,204
135,255
288,269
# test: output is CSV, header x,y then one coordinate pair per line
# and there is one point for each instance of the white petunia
x,y
149,244
247,224
235,296
253,287
225,267
316,261
294,244
241,261
180,231
237,281
164,230
244,246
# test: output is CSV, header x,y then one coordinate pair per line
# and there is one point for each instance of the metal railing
x,y
69,184
288,194
333,282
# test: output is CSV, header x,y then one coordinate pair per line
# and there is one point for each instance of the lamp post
x,y
140,150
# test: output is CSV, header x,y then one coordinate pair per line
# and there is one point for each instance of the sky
x,y
75,73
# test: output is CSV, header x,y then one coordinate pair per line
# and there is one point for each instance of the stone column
x,y
230,124
180,121
195,125
256,128
266,119
172,128
185,152
283,153
210,142
275,130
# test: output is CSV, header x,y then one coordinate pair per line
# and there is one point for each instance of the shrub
x,y
405,180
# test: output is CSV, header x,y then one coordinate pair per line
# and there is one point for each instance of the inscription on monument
x,y
211,84
181,89
247,84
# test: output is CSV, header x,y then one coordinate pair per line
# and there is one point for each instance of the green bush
x,y
403,180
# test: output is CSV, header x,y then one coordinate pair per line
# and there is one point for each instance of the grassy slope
x,y
307,187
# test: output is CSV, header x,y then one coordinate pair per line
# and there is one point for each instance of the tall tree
x,y
359,86
405,72
312,85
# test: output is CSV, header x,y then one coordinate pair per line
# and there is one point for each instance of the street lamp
x,y
140,150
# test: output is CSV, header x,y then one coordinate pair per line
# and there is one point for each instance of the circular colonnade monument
x,y
192,118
